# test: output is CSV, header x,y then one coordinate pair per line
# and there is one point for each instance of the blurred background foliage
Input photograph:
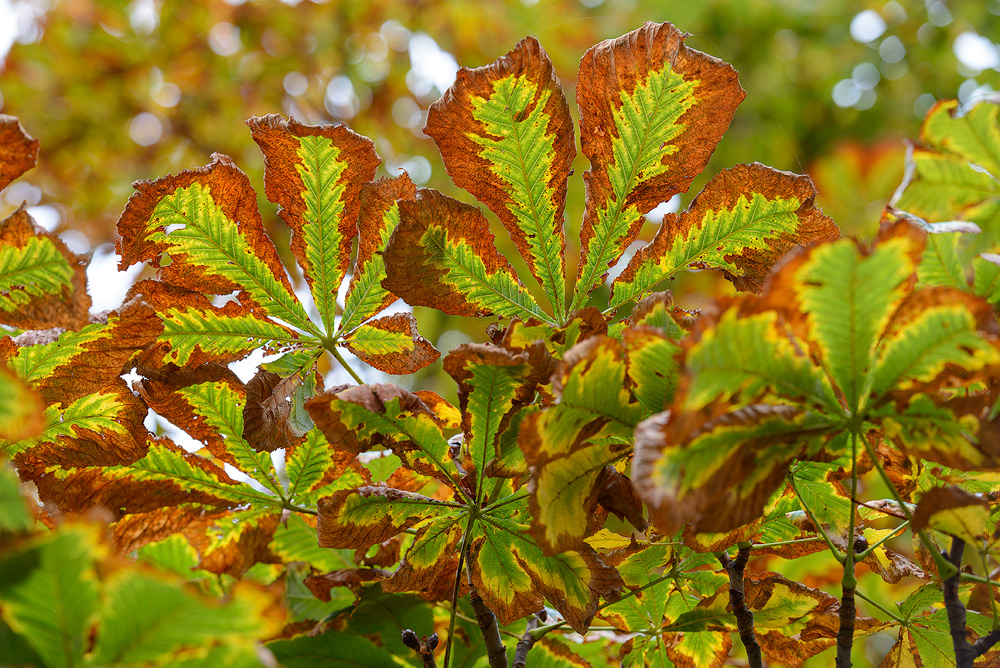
x,y
119,90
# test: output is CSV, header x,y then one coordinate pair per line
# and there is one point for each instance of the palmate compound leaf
x,y
508,568
202,230
506,135
753,401
651,113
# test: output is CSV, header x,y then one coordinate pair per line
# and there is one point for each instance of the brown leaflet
x,y
892,567
619,66
450,122
266,414
231,191
131,329
320,586
334,533
444,414
941,499
414,277
70,308
376,200
283,184
160,391
616,494
431,575
729,501
234,557
372,398
397,360
94,487
18,150
132,531
723,193
99,448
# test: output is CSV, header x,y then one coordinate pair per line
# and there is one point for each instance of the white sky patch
x,y
163,427
867,26
247,367
656,214
623,261
107,286
976,52
431,66
46,215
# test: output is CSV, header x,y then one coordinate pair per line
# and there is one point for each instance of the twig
x,y
849,582
965,654
527,640
738,601
423,646
495,650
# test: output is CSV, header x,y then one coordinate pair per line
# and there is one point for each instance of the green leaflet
x,y
645,126
34,270
492,384
320,169
315,174
170,465
146,619
220,407
523,157
569,444
193,332
210,241
939,335
849,300
50,596
366,296
359,518
941,264
513,575
307,463
724,237
384,416
297,540
744,357
651,366
101,428
955,169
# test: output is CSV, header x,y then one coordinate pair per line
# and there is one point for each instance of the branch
x,y
527,640
495,650
738,601
422,646
965,654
